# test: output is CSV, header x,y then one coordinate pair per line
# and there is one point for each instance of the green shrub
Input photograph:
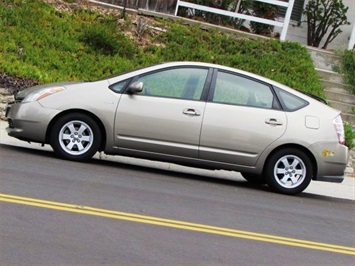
x,y
349,136
263,10
324,19
50,46
348,67
100,39
45,45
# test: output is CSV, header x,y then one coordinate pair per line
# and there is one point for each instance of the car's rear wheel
x,y
288,171
253,178
75,137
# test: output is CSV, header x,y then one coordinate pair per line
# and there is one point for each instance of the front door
x,y
166,117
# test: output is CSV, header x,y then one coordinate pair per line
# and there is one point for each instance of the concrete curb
x,y
344,190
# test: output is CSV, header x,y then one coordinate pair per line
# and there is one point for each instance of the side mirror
x,y
135,87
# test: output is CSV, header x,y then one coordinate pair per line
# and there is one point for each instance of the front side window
x,y
238,90
185,83
119,86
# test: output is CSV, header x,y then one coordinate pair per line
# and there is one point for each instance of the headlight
x,y
38,95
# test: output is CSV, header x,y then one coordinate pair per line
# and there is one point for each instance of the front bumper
x,y
331,158
29,121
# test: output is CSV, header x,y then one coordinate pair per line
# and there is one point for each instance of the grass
x,y
40,43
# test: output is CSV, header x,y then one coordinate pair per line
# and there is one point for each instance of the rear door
x,y
242,118
166,117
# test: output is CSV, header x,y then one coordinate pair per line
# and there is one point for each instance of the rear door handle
x,y
273,121
191,111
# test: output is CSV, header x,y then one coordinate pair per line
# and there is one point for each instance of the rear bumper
x,y
333,179
331,158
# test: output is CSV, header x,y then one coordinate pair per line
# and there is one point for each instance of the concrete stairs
x,y
337,93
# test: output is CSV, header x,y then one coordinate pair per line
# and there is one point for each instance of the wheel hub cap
x,y
76,137
290,171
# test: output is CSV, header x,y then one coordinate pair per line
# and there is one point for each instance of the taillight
x,y
339,129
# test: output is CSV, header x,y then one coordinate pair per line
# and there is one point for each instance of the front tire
x,y
289,171
75,137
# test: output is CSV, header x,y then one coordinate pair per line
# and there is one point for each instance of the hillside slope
x,y
49,41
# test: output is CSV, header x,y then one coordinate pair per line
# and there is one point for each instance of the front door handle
x,y
192,112
273,122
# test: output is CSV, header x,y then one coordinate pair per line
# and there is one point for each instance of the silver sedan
x,y
189,113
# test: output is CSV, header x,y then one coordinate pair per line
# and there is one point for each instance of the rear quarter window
x,y
289,101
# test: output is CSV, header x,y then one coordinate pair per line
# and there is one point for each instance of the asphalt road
x,y
56,212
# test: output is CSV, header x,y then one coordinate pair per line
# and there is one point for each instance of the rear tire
x,y
75,137
288,171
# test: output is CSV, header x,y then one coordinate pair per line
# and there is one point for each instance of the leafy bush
x,y
324,18
104,41
100,39
46,45
50,46
348,67
349,136
267,11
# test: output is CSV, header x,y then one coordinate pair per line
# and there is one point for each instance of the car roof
x,y
187,63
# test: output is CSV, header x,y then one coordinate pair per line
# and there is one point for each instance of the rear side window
x,y
238,90
289,101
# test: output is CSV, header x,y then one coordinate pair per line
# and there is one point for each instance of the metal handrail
x,y
352,38
284,25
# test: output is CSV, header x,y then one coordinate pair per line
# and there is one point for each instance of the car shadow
x,y
26,150
213,180
153,169
178,174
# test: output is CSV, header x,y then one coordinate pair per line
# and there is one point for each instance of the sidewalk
x,y
344,190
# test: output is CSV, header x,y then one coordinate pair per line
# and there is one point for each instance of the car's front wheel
x,y
289,171
75,137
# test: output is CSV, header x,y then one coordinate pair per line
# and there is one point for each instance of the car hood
x,y
22,94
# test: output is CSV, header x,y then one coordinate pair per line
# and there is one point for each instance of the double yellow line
x,y
177,224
